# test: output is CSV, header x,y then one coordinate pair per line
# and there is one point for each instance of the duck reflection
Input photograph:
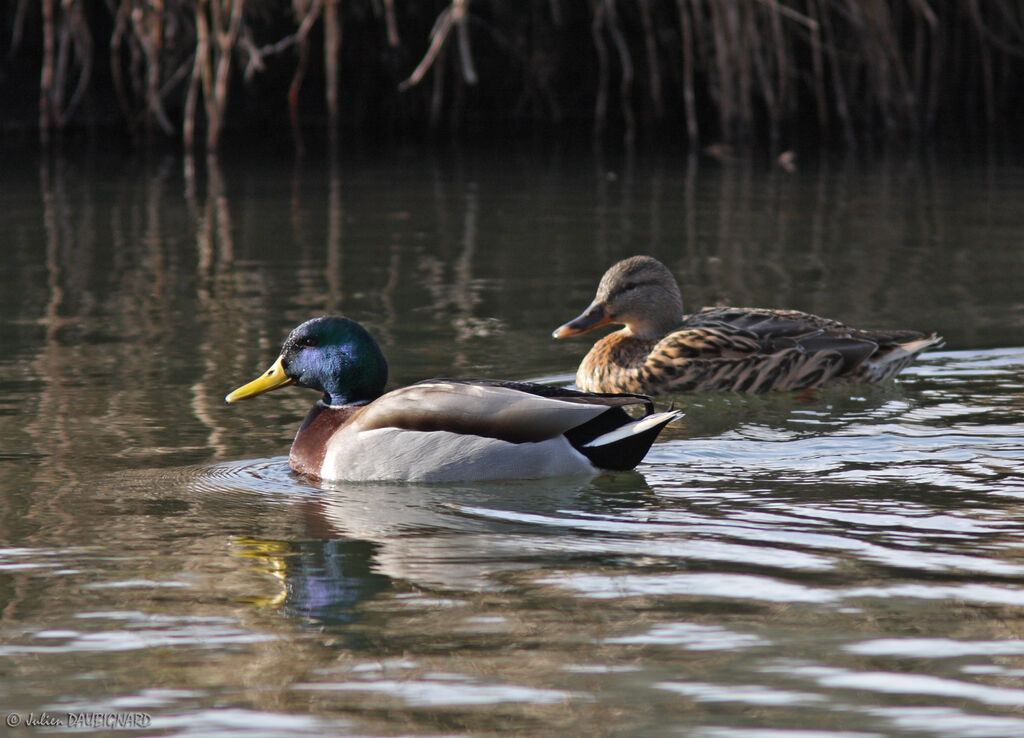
x,y
319,580
357,540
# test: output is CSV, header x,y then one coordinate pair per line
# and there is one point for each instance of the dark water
x,y
848,564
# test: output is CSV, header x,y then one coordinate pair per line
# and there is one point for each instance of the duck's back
x,y
767,325
868,356
749,350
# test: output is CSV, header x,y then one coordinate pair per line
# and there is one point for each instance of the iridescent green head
x,y
332,354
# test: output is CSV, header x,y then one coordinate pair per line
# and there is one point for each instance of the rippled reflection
x,y
778,566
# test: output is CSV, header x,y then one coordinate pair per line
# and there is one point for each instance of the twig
x,y
689,99
437,95
17,28
386,9
225,34
46,114
838,88
200,71
253,55
391,24
818,69
147,30
974,13
465,54
457,13
791,14
78,29
626,80
926,12
310,16
654,75
438,35
601,101
120,26
332,47
723,62
556,12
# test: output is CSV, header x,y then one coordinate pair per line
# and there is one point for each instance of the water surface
x,y
846,564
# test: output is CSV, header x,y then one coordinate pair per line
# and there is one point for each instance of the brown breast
x,y
615,364
310,444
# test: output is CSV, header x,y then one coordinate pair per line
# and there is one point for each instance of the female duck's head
x,y
334,355
640,293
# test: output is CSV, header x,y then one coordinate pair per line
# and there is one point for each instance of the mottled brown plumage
x,y
725,349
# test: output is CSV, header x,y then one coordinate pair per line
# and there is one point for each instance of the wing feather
x,y
490,410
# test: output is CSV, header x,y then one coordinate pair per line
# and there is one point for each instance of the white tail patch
x,y
908,349
637,426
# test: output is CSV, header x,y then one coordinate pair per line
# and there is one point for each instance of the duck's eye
x,y
308,342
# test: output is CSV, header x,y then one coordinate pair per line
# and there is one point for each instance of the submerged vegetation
x,y
711,70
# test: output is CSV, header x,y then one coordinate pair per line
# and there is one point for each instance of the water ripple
x,y
449,690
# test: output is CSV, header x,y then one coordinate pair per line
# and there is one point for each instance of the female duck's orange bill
x,y
594,317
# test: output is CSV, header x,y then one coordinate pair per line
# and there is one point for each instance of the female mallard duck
x,y
723,349
443,429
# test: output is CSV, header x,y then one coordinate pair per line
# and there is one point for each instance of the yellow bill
x,y
271,379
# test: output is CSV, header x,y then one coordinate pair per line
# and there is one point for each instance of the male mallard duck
x,y
723,349
443,429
